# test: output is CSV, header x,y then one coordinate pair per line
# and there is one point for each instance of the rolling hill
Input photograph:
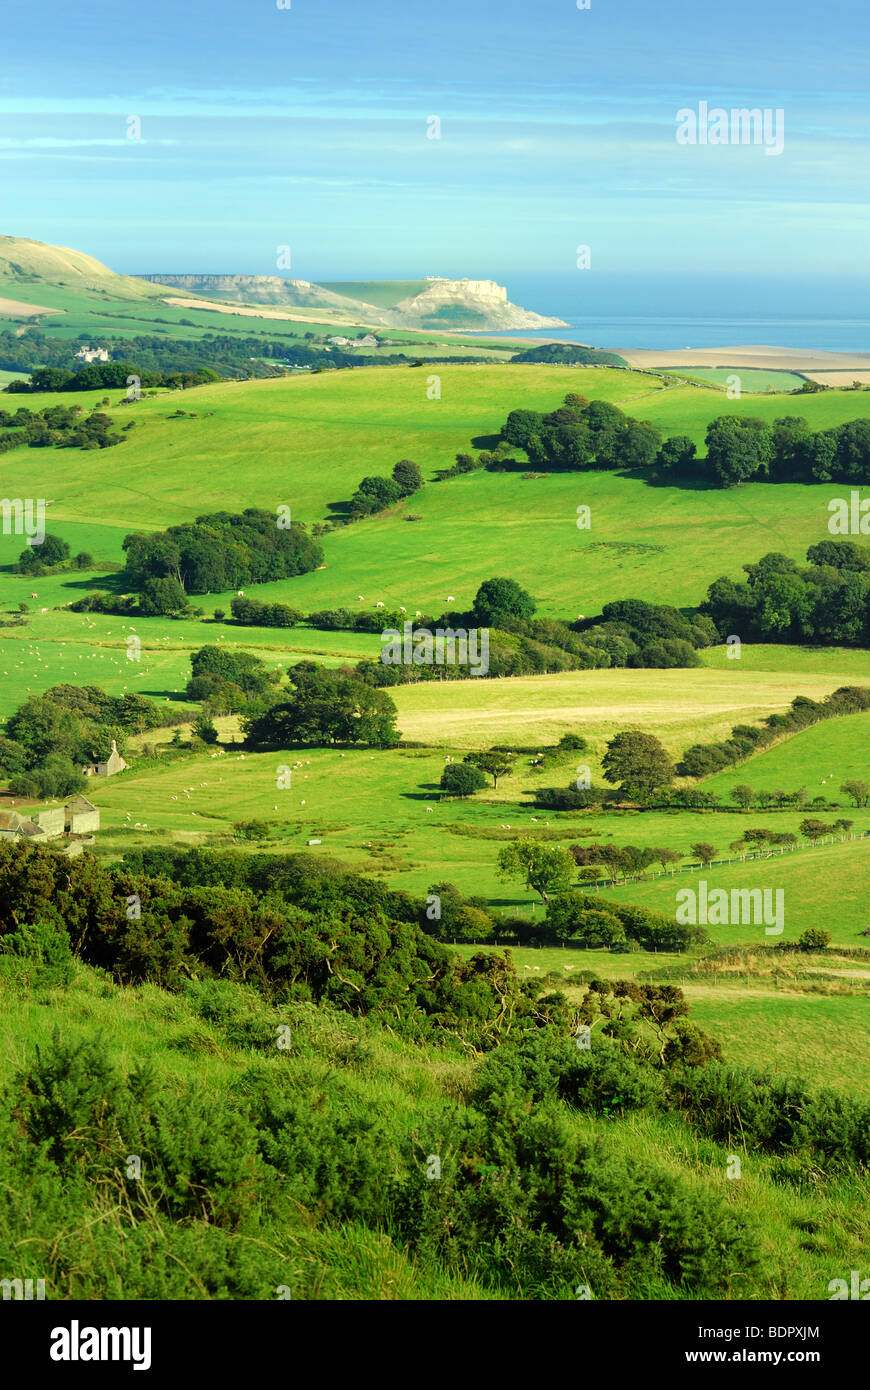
x,y
26,265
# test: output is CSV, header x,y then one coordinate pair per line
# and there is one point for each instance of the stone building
x,y
82,817
114,763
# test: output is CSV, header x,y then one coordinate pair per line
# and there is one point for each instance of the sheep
x,y
360,598
450,598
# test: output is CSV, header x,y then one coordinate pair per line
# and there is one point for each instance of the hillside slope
x,y
25,265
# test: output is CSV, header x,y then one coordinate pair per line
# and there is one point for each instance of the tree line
x,y
582,434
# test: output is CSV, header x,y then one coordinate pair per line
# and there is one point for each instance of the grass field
x,y
824,757
308,441
809,1233
752,379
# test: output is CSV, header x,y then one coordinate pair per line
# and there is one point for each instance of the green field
x,y
821,758
384,294
752,379
308,441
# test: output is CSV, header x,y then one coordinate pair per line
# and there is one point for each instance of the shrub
x,y
462,779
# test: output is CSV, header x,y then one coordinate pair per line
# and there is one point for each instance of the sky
x,y
311,127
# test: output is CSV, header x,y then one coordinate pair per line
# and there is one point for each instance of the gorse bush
x,y
775,1114
554,1211
41,953
355,944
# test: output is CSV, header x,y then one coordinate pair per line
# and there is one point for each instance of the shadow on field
x,y
118,582
651,478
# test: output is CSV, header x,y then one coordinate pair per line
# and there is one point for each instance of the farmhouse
x,y
114,763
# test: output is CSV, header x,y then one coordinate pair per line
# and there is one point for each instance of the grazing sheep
x,y
450,598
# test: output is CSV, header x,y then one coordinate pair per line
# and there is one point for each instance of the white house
x,y
89,354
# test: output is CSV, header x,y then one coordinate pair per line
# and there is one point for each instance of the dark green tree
x,y
502,598
637,763
461,779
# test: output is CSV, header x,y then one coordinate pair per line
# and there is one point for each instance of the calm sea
x,y
690,312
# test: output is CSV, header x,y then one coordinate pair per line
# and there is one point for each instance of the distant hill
x,y
272,290
436,303
25,265
37,277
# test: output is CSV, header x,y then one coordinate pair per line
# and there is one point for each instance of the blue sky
x,y
307,127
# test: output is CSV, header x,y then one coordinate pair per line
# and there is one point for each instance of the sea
x,y
667,313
